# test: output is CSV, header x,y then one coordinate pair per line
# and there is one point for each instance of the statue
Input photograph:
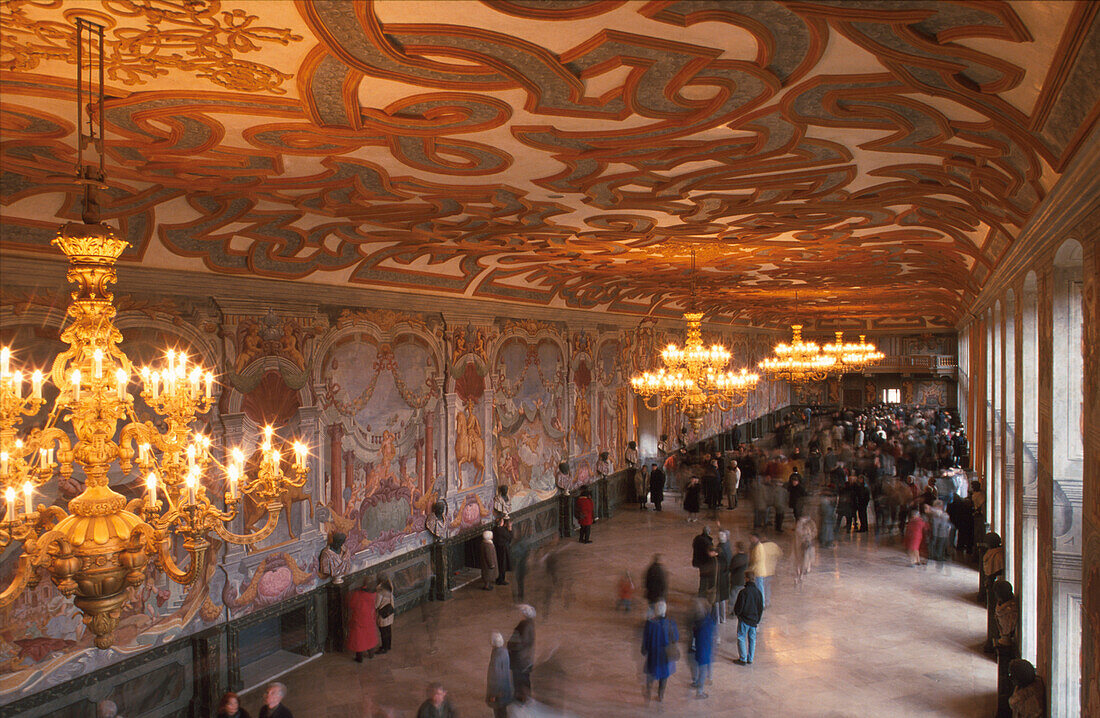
x,y
992,568
334,561
565,506
1028,697
437,527
1007,616
604,469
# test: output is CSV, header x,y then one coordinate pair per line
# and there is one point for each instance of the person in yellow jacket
x,y
762,560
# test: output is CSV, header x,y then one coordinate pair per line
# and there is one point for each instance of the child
x,y
626,592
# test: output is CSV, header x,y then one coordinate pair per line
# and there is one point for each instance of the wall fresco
x,y
399,411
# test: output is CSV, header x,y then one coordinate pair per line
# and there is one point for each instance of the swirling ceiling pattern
x,y
868,163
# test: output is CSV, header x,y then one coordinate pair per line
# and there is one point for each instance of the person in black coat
x,y
861,496
796,494
691,498
656,486
704,557
502,542
656,582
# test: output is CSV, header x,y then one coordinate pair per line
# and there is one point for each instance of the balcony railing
x,y
939,364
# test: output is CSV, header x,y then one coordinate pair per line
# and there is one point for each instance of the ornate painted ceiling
x,y
848,163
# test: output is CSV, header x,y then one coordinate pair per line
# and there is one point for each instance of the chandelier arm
x,y
646,400
274,509
155,543
36,553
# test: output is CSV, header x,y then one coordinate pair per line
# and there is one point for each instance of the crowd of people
x,y
832,473
895,471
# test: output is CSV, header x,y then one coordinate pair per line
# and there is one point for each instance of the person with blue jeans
x,y
749,609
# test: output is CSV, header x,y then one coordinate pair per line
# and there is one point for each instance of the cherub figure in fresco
x,y
459,340
288,346
251,347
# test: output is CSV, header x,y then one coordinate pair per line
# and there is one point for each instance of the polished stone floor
x,y
865,635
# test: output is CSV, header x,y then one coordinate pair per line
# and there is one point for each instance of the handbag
x,y
386,610
672,649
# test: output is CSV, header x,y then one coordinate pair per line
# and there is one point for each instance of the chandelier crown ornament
x,y
101,546
695,378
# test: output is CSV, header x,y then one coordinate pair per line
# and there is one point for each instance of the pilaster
x,y
1090,527
1045,315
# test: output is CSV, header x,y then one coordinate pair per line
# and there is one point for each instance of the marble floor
x,y
865,635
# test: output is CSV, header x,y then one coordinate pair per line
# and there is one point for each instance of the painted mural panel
x,y
383,393
529,413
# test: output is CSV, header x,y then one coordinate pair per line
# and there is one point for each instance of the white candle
x,y
196,377
209,385
151,490
36,385
154,384
276,457
299,454
171,361
238,456
5,359
28,490
190,480
191,456
10,496
122,380
234,473
76,384
97,361
182,368
3,463
143,453
44,457
17,384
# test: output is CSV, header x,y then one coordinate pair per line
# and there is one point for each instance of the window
x,y
891,396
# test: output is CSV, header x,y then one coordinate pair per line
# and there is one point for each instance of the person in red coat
x,y
362,621
914,536
586,511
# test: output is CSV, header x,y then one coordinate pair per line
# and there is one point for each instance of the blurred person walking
x,y
521,653
656,583
660,639
499,691
704,630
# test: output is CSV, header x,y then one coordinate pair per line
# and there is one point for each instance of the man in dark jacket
x,y
704,558
656,486
749,609
656,582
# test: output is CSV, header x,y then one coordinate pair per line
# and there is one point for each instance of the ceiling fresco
x,y
858,164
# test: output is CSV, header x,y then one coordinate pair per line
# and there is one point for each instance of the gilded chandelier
x,y
101,545
852,356
800,361
695,378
